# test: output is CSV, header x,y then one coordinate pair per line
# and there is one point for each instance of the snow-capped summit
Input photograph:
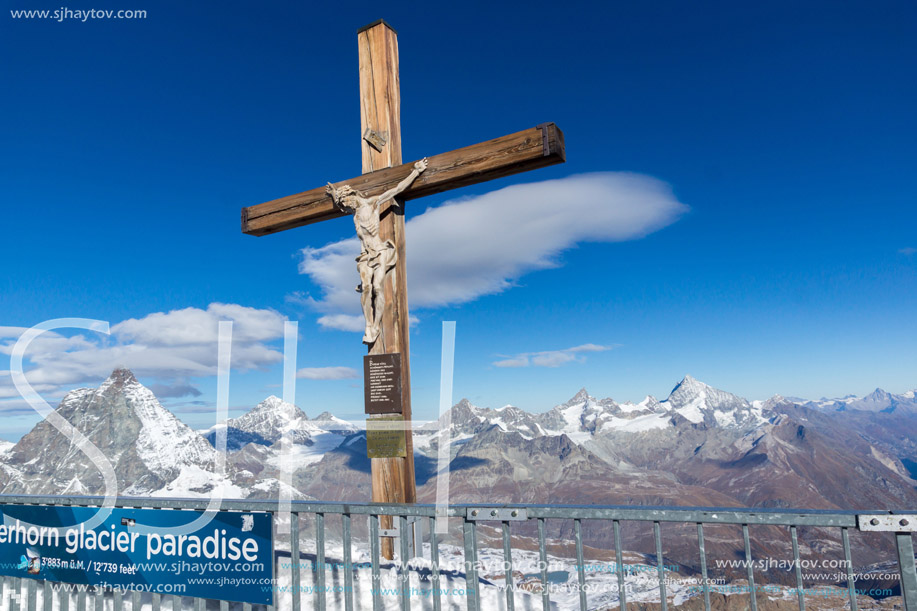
x,y
271,419
768,405
882,401
649,404
467,420
146,445
582,395
697,402
265,424
331,423
878,400
578,417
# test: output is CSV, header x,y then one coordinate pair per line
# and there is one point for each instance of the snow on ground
x,y
638,424
647,404
573,418
601,581
692,410
194,482
303,455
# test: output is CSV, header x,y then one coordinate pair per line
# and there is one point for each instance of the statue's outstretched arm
x,y
419,167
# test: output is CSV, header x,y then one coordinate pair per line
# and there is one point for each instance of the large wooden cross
x,y
380,109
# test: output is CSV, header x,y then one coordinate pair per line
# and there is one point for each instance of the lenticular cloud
x,y
478,246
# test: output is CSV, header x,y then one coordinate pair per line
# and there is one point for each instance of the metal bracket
x,y
545,144
375,139
884,522
498,514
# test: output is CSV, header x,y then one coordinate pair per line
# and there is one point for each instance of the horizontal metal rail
x,y
25,594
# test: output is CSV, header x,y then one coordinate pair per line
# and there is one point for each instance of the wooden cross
x,y
380,117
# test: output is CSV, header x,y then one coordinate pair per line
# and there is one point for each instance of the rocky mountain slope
x,y
698,446
149,450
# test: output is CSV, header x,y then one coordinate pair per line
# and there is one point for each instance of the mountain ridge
x,y
694,436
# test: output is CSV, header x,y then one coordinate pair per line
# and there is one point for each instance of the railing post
x,y
295,560
374,545
902,525
404,577
319,581
471,557
905,547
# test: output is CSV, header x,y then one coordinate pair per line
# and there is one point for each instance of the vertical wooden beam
x,y
380,111
380,95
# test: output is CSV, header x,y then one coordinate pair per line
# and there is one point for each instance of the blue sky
x,y
739,185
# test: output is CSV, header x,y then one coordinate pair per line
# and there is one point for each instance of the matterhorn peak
x,y
120,377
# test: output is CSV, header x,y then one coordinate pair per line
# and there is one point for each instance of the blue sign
x,y
222,556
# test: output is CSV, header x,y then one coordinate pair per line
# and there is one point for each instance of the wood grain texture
x,y
519,152
380,110
380,95
393,479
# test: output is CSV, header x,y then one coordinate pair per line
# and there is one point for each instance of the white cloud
x,y
908,251
518,361
15,332
327,373
551,358
172,345
194,326
343,322
589,348
470,247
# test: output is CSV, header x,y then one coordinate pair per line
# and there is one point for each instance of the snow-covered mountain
x,y
877,401
273,441
697,402
696,437
267,423
150,451
586,420
698,446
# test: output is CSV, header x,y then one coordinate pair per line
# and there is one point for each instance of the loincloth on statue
x,y
386,257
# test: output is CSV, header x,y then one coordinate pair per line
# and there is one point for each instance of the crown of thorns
x,y
338,194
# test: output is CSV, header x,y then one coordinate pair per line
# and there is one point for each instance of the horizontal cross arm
x,y
526,150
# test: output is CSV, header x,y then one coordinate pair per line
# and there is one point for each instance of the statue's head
x,y
343,197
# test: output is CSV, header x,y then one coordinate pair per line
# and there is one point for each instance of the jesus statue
x,y
377,258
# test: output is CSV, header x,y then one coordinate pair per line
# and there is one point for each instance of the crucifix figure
x,y
388,184
377,258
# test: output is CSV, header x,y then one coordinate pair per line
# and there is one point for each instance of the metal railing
x,y
500,520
